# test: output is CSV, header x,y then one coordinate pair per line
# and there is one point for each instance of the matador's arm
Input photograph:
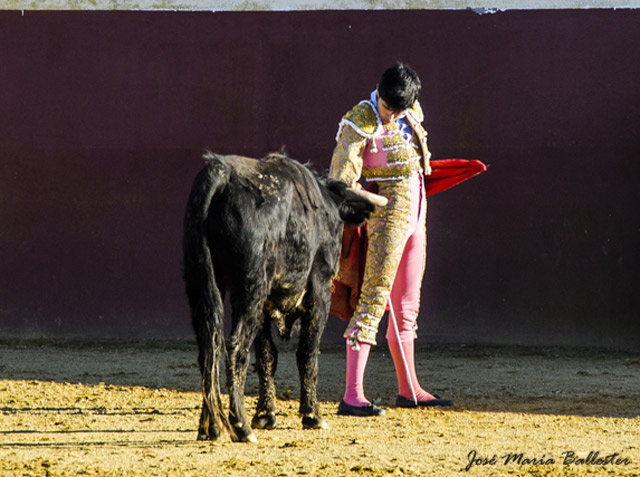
x,y
346,162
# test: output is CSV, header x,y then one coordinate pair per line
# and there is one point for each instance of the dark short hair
x,y
399,87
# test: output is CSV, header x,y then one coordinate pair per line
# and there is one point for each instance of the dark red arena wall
x,y
104,116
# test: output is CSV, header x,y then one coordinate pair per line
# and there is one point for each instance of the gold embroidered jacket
x,y
366,147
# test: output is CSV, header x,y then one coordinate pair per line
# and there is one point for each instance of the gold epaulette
x,y
363,119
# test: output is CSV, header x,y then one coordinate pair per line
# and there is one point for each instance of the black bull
x,y
267,233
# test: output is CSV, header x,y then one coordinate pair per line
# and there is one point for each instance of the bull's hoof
x,y
250,438
314,422
264,421
211,435
246,437
243,434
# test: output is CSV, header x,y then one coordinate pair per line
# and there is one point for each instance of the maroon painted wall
x,y
104,115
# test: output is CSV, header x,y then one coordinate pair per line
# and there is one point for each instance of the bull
x,y
267,234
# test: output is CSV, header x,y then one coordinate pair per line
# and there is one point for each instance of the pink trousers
x,y
395,262
405,292
408,241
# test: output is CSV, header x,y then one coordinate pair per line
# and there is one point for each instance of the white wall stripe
x,y
479,6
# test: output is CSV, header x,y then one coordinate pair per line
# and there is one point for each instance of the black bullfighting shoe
x,y
345,409
402,401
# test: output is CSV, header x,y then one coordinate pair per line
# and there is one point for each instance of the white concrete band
x,y
479,6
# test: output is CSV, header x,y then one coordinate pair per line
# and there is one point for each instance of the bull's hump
x,y
240,162
252,169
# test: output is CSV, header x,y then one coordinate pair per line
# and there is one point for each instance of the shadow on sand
x,y
557,381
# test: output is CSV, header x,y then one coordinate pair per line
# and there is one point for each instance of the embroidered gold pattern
x,y
363,119
401,171
392,143
401,156
346,163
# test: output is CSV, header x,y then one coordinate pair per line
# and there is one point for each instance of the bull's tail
x,y
205,299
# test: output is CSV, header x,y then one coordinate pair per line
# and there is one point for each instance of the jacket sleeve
x,y
346,162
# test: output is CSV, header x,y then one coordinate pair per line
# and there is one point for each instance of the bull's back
x,y
266,218
252,208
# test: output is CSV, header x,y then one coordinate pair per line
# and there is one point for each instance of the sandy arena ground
x,y
131,408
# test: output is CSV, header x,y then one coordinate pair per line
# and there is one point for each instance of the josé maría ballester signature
x,y
568,457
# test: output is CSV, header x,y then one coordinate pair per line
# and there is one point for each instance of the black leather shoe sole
x,y
345,409
402,401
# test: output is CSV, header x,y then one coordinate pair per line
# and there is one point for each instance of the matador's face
x,y
387,114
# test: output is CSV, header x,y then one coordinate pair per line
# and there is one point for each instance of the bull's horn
x,y
375,199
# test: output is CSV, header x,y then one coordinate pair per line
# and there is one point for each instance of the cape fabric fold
x,y
446,173
345,287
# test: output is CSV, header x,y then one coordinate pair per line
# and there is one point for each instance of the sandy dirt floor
x,y
131,408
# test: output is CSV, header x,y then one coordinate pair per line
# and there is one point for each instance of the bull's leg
x,y
312,327
247,315
266,363
203,427
207,429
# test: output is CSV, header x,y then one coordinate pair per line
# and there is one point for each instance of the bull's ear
x,y
356,211
375,199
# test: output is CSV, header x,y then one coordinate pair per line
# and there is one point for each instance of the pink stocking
x,y
404,389
356,364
